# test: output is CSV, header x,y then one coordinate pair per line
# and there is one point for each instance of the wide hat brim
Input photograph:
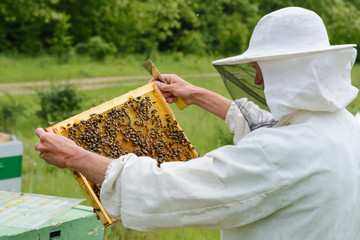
x,y
252,56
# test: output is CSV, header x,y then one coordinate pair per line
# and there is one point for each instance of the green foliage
x,y
90,18
225,24
224,137
28,26
233,35
81,48
10,112
191,42
58,104
60,43
98,49
147,27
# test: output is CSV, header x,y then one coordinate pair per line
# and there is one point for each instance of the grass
x,y
204,130
27,69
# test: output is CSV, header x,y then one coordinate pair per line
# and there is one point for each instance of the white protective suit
x,y
299,179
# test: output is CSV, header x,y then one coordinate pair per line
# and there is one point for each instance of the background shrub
x,y
60,103
98,48
10,112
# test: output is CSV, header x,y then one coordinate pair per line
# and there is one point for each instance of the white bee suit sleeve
x,y
357,117
237,123
228,187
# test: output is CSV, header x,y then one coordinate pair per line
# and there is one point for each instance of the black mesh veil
x,y
239,81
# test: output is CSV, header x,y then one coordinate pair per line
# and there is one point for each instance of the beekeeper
x,y
292,173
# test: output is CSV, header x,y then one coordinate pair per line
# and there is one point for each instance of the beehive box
x,y
11,153
76,223
139,122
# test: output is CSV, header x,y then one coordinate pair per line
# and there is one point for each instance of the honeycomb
x,y
133,127
139,122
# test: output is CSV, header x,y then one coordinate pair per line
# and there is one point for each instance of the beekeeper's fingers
x,y
165,87
171,99
41,134
167,94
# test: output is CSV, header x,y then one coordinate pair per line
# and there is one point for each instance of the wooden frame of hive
x,y
160,118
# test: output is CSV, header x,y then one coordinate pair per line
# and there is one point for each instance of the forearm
x,y
91,165
191,94
211,102
63,153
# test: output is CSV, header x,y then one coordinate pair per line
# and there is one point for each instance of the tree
x,y
29,26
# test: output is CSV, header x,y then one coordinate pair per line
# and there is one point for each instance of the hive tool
x,y
150,67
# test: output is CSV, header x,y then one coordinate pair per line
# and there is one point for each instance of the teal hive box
x,y
77,223
10,165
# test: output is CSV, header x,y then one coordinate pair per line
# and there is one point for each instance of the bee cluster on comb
x,y
135,126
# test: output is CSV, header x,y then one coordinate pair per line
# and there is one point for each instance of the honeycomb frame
x,y
139,122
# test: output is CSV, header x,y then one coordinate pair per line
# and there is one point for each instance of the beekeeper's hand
x,y
64,153
55,149
177,87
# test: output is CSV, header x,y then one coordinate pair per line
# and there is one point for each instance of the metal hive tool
x,y
139,122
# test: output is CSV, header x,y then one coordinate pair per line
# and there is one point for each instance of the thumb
x,y
163,86
39,132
